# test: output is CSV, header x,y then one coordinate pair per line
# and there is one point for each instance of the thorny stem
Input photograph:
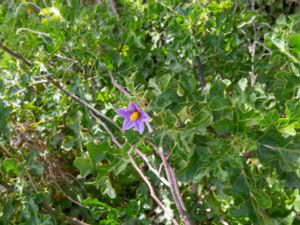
x,y
173,186
153,170
152,192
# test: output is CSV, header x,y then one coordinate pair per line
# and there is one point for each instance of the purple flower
x,y
134,117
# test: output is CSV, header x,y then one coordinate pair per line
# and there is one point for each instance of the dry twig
x,y
173,186
152,192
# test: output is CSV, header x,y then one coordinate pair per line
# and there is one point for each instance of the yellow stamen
x,y
134,116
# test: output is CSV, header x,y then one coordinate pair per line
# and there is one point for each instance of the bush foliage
x,y
219,79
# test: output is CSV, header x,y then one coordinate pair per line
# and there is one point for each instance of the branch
x,y
151,168
113,8
70,220
32,31
118,86
173,186
81,101
7,152
69,197
151,189
16,55
113,138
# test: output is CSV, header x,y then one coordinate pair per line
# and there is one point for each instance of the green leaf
x,y
11,165
97,151
68,143
84,166
273,147
107,188
262,199
243,84
294,41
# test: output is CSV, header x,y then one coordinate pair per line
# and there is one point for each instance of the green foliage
x,y
237,138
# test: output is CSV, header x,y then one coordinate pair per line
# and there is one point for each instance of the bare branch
x,y
152,169
151,189
16,55
173,185
113,138
69,220
149,127
7,152
32,31
70,198
113,8
81,101
118,86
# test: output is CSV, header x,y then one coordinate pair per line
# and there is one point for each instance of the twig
x,y
59,56
32,182
152,169
113,8
149,127
32,31
151,189
7,152
70,198
69,3
16,55
81,101
69,220
174,187
113,138
118,86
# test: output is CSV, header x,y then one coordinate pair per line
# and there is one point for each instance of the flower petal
x,y
127,124
133,107
123,112
139,126
143,116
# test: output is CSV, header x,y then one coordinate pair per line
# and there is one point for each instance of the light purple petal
x,y
127,124
123,112
133,107
143,116
139,126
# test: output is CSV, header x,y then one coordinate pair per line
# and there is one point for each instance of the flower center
x,y
134,116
